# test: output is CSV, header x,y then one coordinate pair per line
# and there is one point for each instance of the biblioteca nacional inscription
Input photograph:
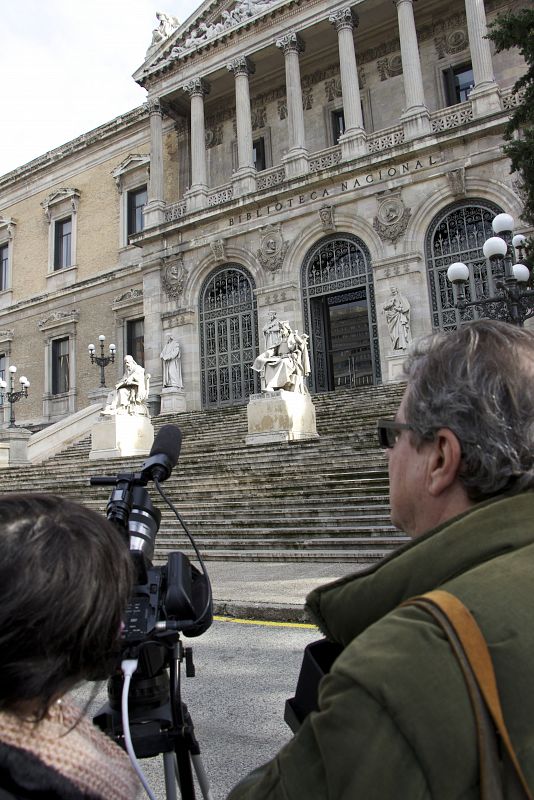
x,y
373,177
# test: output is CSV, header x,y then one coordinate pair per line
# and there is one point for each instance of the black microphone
x,y
164,454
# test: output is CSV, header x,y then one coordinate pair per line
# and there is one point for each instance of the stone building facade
x,y
311,159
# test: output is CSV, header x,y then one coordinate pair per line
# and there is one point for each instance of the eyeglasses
x,y
389,431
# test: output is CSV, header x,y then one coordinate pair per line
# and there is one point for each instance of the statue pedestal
x,y
172,400
14,447
395,364
121,435
280,416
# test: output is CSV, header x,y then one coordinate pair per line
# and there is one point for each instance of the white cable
x,y
128,667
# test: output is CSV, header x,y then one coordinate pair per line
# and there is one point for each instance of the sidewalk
x,y
267,590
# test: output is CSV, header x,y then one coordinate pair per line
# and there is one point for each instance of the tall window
x,y
62,243
338,124
258,153
458,83
135,340
4,254
137,200
60,366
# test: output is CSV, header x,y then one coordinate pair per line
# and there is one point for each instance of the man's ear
x,y
444,461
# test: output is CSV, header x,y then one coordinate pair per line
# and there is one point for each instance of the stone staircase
x,y
322,500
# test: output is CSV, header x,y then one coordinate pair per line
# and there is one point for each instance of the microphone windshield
x,y
164,454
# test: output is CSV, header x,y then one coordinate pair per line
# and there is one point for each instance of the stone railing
x,y
451,117
176,211
511,99
270,177
384,139
222,194
325,159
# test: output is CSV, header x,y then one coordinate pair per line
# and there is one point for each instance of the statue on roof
x,y
167,24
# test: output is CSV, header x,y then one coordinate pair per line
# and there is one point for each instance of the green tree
x,y
517,30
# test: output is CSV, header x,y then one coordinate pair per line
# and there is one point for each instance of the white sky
x,y
66,67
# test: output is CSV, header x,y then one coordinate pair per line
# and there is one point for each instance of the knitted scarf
x,y
70,745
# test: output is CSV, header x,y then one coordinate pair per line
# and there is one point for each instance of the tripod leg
x,y
202,777
184,774
169,763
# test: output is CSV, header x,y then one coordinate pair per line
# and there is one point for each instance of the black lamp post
x,y
514,301
11,395
102,361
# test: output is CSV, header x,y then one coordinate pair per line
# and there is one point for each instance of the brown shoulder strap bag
x,y
500,773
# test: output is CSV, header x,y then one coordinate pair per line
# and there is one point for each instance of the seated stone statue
x,y
285,364
130,393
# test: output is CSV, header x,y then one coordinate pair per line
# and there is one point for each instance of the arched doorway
x,y
228,337
340,313
457,233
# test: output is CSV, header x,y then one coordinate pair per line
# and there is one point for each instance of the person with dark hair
x,y
394,718
65,579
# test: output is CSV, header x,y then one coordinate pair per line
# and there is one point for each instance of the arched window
x,y
228,337
340,314
457,233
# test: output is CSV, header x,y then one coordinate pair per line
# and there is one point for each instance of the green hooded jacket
x,y
395,720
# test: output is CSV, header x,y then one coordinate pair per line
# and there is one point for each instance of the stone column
x,y
353,141
296,160
415,116
485,94
244,179
197,196
153,213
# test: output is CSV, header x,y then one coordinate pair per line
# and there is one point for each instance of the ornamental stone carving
x,y
456,178
333,88
451,43
392,219
389,67
326,215
9,224
174,276
131,294
345,18
282,108
167,24
272,248
218,249
214,136
292,43
241,66
198,86
258,116
58,318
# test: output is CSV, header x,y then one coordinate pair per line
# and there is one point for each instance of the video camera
x,y
166,601
173,597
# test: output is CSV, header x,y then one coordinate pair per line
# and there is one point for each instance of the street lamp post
x,y
515,301
11,395
102,361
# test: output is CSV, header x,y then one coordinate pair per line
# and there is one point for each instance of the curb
x,y
267,612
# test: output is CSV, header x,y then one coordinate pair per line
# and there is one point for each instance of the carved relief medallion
x,y
174,276
273,248
392,218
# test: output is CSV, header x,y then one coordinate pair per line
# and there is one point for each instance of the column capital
x,y
292,43
196,87
345,18
154,106
241,66
399,2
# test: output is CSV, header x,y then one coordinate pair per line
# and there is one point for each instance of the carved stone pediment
x,y
71,196
58,318
132,162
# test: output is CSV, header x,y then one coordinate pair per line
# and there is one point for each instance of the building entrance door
x,y
343,320
340,315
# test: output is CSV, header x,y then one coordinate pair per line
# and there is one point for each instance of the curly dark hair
x,y
65,579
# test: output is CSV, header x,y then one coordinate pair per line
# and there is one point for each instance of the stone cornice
x,y
79,144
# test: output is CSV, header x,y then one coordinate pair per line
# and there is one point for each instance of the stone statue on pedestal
x,y
397,311
130,393
172,364
286,364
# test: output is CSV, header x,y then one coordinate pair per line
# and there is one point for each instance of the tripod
x,y
159,722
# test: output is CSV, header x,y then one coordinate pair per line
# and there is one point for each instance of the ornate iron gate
x,y
457,233
337,267
228,337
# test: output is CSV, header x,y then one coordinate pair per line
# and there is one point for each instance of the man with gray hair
x,y
394,719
